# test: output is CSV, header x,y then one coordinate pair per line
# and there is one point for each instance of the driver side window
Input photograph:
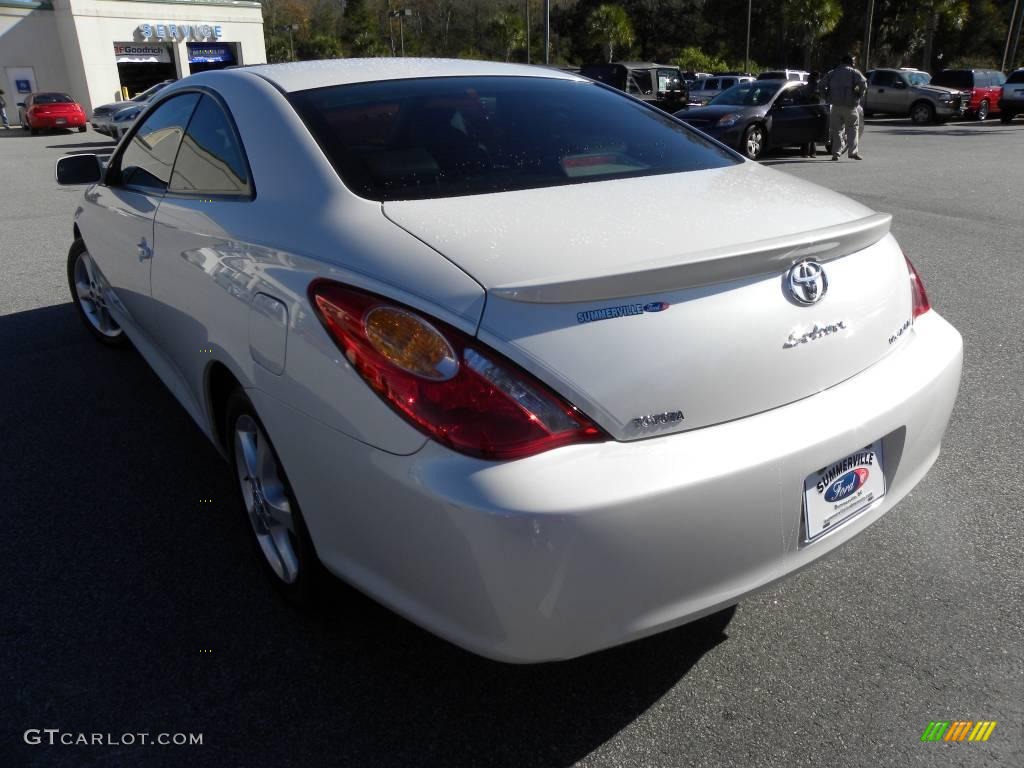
x,y
147,160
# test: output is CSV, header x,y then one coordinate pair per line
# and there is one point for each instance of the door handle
x,y
145,252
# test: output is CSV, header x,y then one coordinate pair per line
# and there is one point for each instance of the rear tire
x,y
982,114
33,131
278,530
81,129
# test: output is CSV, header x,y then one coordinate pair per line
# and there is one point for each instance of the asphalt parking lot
x,y
134,607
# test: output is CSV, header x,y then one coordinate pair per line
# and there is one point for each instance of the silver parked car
x,y
116,118
908,92
450,350
705,90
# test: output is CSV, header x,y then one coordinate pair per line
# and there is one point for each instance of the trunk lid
x,y
660,304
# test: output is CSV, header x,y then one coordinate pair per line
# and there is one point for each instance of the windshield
x,y
52,98
147,94
753,94
442,137
919,78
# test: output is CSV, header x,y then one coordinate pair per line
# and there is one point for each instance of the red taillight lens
x,y
444,382
918,296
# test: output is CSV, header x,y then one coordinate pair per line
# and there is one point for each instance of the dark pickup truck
x,y
661,85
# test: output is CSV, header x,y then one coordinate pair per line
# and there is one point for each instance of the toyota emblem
x,y
807,282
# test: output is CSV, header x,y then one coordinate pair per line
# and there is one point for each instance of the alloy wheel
x,y
266,500
921,114
90,297
754,142
983,110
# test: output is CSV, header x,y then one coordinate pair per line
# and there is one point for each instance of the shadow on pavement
x,y
107,144
119,576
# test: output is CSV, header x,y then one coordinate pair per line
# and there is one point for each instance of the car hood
x,y
657,304
937,90
117,106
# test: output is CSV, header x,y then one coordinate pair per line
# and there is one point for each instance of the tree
x,y
931,12
809,21
693,59
609,26
507,31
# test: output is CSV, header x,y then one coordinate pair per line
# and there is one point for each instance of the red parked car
x,y
50,110
984,85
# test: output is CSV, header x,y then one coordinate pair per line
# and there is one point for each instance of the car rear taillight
x,y
444,382
919,298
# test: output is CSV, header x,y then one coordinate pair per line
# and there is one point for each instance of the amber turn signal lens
x,y
411,343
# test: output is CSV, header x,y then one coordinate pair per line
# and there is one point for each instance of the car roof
x,y
305,75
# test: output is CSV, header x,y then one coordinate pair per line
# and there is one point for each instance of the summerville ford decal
x,y
624,310
844,478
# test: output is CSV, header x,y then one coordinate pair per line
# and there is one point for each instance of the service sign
x,y
173,31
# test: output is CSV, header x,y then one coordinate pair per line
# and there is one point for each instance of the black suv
x,y
661,85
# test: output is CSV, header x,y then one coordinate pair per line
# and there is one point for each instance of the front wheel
x,y
279,532
89,297
922,113
982,113
754,141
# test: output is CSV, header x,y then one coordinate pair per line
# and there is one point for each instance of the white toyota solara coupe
x,y
453,328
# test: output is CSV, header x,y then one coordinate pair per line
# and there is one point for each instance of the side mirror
x,y
79,169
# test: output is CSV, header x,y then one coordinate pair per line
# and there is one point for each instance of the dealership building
x,y
99,51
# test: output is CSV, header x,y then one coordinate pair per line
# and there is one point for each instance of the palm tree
x,y
610,27
811,20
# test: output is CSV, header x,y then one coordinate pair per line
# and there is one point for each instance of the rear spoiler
x,y
718,265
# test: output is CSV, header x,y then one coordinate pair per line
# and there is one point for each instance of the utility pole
x,y
527,31
1009,35
547,31
867,36
1016,41
746,61
401,14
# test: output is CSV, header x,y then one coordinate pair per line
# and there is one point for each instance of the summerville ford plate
x,y
840,490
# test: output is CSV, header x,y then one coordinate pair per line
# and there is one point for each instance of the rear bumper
x,y
70,121
590,546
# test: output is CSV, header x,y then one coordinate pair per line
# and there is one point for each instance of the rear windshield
x,y
52,98
753,94
442,137
954,79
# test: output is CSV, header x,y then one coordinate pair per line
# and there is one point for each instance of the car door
x,y
794,118
995,89
202,277
884,94
118,225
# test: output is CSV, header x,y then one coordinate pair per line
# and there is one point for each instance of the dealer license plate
x,y
840,490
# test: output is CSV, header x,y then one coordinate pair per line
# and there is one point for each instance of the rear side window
x,y
210,160
149,157
885,79
1016,77
955,78
442,137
